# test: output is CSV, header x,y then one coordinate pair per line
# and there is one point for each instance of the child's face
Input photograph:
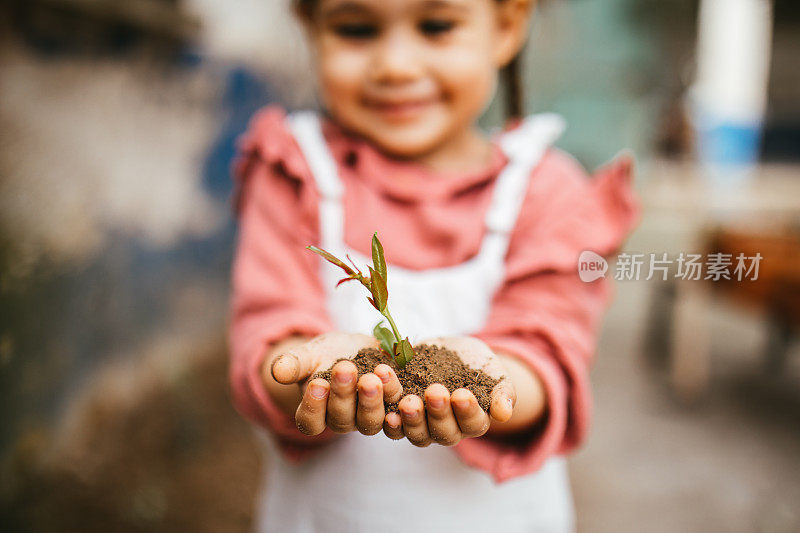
x,y
410,75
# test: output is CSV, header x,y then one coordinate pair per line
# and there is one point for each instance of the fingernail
x,y
343,378
283,363
317,391
370,392
411,416
461,403
436,402
384,375
509,404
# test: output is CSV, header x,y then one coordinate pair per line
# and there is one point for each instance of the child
x,y
482,238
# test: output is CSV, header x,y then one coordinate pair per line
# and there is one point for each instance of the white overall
x,y
374,484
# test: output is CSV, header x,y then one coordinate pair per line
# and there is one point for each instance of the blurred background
x,y
118,123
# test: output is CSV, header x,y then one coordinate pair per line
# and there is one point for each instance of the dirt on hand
x,y
432,364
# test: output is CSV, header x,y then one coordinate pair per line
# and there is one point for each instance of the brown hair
x,y
510,75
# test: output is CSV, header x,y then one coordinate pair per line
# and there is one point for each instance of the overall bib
x,y
374,484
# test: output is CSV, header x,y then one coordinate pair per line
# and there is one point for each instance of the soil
x,y
432,364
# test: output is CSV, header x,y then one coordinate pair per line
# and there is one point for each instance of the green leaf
x,y
403,353
378,259
379,291
331,259
386,337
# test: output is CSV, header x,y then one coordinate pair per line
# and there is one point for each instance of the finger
x,y
299,362
338,344
310,415
341,416
442,425
369,414
392,389
288,368
472,420
415,427
393,426
503,399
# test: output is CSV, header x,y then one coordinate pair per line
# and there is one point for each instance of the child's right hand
x,y
336,404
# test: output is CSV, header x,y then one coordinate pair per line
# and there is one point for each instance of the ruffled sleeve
x,y
276,288
268,142
566,212
544,314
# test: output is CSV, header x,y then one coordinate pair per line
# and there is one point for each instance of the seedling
x,y
376,284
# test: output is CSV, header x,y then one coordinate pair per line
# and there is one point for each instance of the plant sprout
x,y
390,340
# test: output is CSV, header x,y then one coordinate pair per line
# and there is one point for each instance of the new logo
x,y
591,266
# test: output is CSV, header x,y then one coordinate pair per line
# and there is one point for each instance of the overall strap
x,y
307,131
524,147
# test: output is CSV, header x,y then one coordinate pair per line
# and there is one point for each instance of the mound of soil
x,y
432,364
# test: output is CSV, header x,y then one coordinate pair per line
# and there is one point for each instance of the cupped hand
x,y
347,402
445,418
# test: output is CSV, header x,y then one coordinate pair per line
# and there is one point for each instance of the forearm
x,y
287,397
531,403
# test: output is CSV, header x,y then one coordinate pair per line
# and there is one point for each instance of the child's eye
x,y
434,27
356,31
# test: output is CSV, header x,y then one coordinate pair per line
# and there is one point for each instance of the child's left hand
x,y
446,418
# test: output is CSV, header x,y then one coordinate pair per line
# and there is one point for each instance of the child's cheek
x,y
342,73
467,80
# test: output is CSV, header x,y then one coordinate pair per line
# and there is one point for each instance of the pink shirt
x,y
543,314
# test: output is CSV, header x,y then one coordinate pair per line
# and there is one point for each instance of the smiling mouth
x,y
399,110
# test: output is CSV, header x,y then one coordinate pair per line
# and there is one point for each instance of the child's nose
x,y
396,60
